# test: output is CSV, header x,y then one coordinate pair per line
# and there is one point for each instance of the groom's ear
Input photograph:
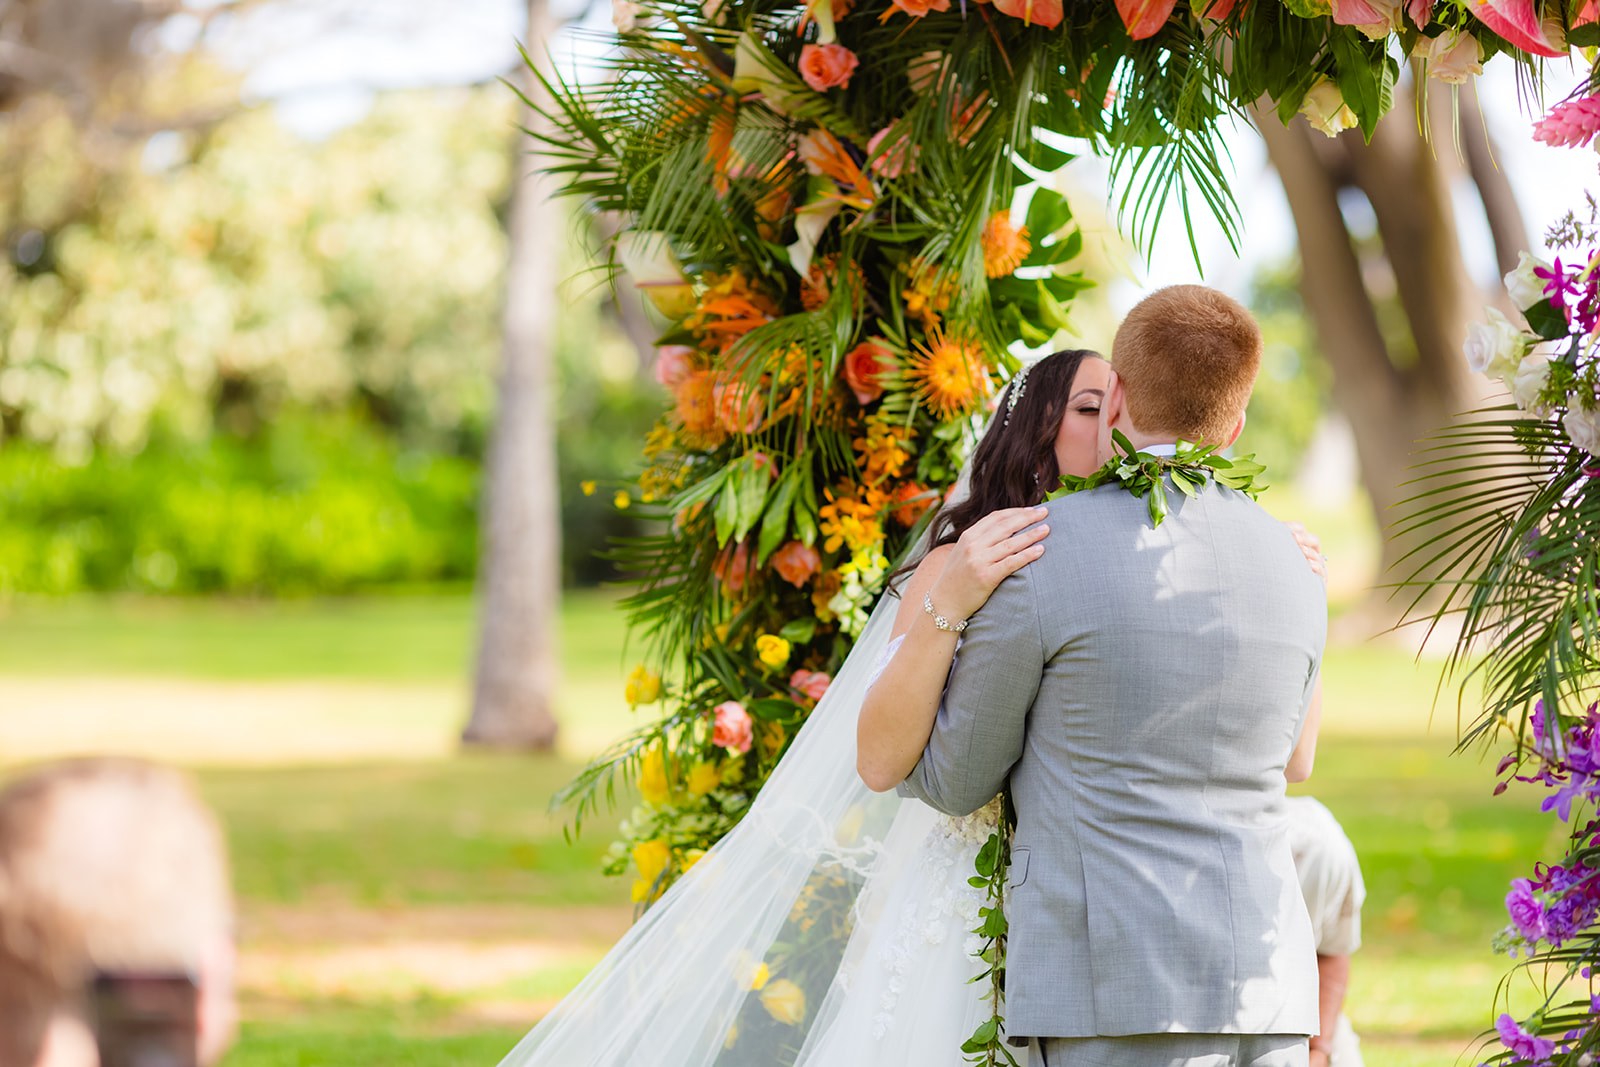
x,y
1238,428
1112,406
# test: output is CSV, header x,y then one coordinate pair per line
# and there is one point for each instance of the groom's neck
x,y
1141,440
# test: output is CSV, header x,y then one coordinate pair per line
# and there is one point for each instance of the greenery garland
x,y
1145,475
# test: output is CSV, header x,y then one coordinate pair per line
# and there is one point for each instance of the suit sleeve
x,y
978,734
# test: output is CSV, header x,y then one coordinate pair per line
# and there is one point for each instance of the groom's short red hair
x,y
1187,357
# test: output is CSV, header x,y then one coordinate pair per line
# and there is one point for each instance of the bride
x,y
689,984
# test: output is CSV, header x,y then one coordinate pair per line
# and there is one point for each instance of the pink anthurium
x,y
1220,9
1144,17
1518,22
1358,13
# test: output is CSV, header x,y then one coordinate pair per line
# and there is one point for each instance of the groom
x,y
1141,689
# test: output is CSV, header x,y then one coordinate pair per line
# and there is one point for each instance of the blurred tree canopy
x,y
172,314
222,275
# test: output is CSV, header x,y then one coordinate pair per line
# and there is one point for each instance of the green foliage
x,y
313,505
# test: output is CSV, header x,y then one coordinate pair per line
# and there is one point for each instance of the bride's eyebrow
x,y
1087,392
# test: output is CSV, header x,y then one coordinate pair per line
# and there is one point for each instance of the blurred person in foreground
x,y
1330,879
111,871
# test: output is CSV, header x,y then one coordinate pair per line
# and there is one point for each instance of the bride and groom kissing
x,y
1141,690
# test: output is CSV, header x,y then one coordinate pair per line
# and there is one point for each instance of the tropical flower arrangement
x,y
841,211
1509,504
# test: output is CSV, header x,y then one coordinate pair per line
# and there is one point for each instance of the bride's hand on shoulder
x,y
990,551
1311,545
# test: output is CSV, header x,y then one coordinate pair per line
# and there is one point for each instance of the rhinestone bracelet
x,y
939,621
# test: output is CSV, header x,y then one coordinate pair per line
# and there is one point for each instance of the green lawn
x,y
473,833
399,637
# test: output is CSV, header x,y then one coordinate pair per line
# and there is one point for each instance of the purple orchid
x,y
1527,914
1522,1044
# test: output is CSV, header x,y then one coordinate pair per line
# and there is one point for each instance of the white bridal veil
x,y
676,991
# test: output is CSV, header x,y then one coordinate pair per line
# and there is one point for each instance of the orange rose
x,y
795,563
864,368
828,66
909,509
738,409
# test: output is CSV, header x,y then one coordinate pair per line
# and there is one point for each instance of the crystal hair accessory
x,y
1018,385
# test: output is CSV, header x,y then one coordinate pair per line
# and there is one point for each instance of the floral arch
x,y
820,201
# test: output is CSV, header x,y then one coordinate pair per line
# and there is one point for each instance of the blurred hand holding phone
x,y
146,1020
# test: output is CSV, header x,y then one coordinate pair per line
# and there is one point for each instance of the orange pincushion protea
x,y
1004,246
949,375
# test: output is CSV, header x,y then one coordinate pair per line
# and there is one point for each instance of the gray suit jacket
x,y
1142,689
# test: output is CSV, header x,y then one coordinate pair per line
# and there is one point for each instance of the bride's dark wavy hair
x,y
1015,463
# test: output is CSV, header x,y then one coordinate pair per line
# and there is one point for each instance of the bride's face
x,y
1080,426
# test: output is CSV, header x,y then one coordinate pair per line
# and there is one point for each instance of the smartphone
x,y
145,1020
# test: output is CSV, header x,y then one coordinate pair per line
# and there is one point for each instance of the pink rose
x,y
673,366
864,368
733,728
796,562
827,66
812,683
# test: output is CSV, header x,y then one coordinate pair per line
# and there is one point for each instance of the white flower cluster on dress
x,y
945,904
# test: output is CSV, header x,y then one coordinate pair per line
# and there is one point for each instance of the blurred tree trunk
x,y
1393,392
519,575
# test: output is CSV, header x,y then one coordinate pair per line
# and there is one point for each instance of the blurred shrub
x,y
311,505
242,271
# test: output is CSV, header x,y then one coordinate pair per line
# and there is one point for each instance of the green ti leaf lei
x,y
1142,474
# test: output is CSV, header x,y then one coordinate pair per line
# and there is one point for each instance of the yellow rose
x,y
758,981
704,778
644,686
784,1001
654,785
651,857
772,650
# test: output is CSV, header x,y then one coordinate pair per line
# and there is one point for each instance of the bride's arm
x,y
898,711
1305,751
